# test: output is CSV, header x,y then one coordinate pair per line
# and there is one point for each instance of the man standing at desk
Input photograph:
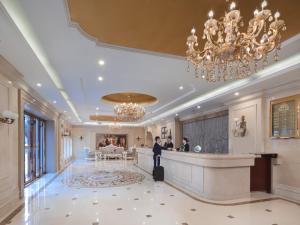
x,y
169,145
157,152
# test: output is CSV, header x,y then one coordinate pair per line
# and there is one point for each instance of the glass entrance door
x,y
34,139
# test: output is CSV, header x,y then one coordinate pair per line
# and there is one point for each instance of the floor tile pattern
x,y
145,202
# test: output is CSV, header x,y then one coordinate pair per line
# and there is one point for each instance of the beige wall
x,y
286,170
253,141
286,174
155,129
89,136
174,125
14,96
9,169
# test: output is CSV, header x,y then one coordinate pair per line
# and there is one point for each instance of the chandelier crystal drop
x,y
229,53
129,111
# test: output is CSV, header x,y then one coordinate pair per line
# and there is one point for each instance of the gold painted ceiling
x,y
163,25
127,97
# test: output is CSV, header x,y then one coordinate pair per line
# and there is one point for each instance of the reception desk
x,y
215,177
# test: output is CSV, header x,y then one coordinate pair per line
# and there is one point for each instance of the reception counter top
x,y
209,176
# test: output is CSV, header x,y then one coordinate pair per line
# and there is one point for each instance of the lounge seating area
x,y
110,152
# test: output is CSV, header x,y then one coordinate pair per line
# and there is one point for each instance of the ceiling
x,y
127,97
37,37
163,26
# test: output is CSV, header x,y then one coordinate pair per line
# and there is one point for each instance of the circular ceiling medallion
x,y
127,97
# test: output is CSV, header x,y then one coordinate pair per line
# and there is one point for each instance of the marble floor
x,y
143,202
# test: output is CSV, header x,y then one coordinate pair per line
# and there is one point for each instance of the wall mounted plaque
x,y
164,132
284,117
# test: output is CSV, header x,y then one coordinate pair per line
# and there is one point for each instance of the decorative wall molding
x,y
254,118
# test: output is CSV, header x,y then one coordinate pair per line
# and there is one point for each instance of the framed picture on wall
x,y
284,117
164,133
103,140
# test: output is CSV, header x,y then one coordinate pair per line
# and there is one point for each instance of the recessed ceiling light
x,y
101,62
198,106
100,78
176,114
65,111
54,102
236,94
180,87
9,82
39,84
97,108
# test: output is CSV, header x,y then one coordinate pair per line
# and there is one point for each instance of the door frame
x,y
41,167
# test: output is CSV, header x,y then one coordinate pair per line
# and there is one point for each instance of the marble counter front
x,y
214,177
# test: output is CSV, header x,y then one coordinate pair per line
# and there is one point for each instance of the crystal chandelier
x,y
129,111
230,54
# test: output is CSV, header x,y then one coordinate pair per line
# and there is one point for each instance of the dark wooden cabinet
x,y
261,173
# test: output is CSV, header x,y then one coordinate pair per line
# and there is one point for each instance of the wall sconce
x,y
8,117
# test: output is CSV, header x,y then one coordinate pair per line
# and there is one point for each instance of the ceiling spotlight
x,y
97,108
198,106
65,111
54,102
100,78
39,85
101,62
236,94
176,114
9,82
180,87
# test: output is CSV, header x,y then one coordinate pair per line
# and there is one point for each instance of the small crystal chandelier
x,y
129,111
230,54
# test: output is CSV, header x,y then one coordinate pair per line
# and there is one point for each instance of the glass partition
x,y
35,152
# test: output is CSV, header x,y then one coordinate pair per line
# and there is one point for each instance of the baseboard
x,y
288,192
13,208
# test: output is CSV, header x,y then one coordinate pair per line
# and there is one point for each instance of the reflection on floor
x,y
37,185
141,202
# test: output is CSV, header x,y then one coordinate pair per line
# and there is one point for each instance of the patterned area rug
x,y
103,178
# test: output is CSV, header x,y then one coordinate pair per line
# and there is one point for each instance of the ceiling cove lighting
x,y
271,71
15,12
230,53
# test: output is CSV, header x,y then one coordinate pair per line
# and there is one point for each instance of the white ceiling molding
x,y
175,100
24,27
271,71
